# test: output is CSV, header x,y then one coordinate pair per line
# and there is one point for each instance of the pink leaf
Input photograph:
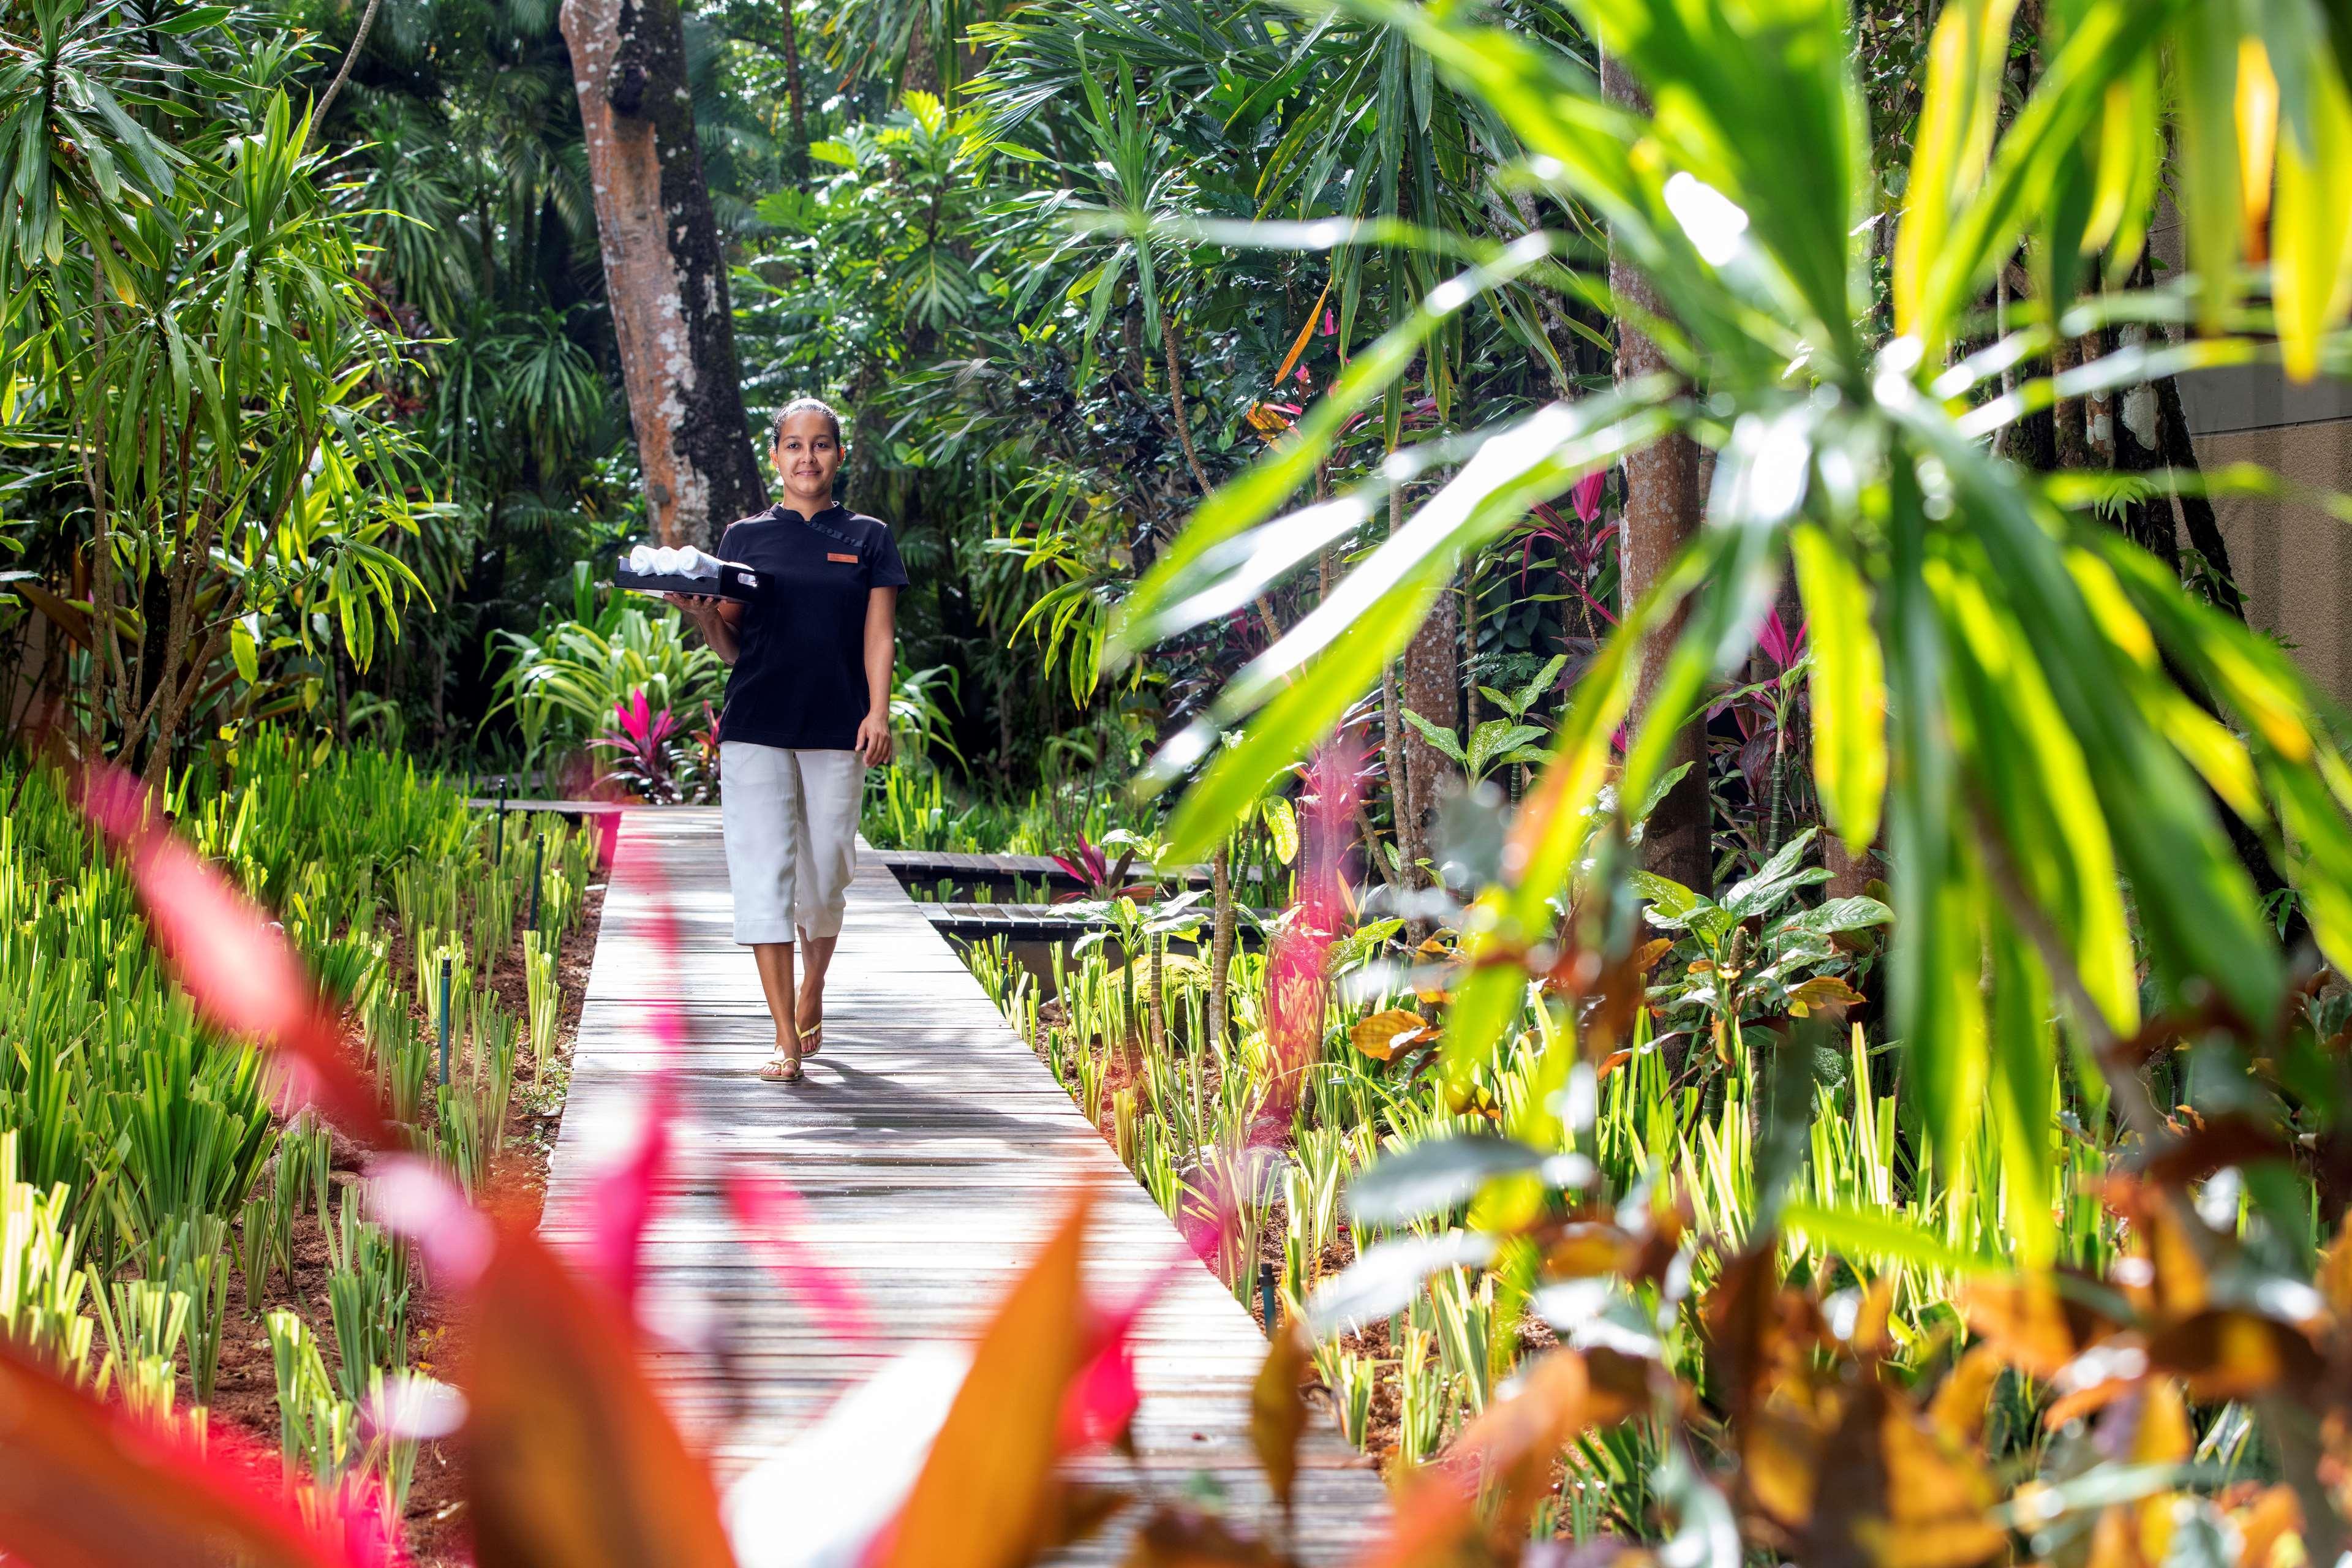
x,y
412,1198
1331,323
774,1218
1586,496
233,962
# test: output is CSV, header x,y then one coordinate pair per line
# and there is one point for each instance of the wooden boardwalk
x,y
935,1152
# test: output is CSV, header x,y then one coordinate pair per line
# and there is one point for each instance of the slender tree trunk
x,y
1221,942
2197,518
794,104
1395,757
664,270
1662,516
1432,687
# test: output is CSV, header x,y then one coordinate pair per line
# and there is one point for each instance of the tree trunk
x,y
1662,516
799,113
2197,518
1432,687
663,267
1222,921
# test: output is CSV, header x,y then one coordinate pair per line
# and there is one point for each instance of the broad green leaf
x,y
1369,617
1439,1176
2024,1084
1441,739
1848,685
1775,879
1249,499
2045,134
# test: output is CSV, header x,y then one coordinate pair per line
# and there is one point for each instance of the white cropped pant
x,y
790,825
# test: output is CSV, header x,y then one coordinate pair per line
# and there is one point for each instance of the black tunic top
x,y
799,681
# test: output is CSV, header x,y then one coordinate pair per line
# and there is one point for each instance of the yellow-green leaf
x,y
1956,115
1848,685
2311,231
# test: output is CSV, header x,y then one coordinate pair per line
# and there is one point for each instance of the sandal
x,y
811,1038
781,1069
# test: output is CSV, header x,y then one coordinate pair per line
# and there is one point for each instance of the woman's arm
x,y
881,664
718,619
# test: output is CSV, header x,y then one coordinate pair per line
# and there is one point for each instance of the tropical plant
x,y
576,676
199,369
2038,754
1757,952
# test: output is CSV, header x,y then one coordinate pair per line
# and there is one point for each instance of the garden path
x,y
935,1152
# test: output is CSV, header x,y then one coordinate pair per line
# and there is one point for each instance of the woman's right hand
x,y
698,606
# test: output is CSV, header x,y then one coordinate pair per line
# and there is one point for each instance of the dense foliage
x,y
1943,1166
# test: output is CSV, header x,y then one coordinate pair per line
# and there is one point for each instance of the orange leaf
x,y
572,1459
82,1486
1509,1449
1305,336
1383,1035
1277,1412
1822,991
2261,1527
986,1494
2225,1353
2024,1320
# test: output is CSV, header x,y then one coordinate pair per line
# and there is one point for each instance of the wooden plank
x,y
934,1152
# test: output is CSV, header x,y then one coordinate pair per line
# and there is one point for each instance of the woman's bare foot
x,y
809,1010
785,1067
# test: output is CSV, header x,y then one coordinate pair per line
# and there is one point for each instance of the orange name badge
x,y
837,555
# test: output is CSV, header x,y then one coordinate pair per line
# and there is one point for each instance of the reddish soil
x,y
245,1398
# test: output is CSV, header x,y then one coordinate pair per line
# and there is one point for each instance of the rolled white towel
x,y
641,560
698,566
668,560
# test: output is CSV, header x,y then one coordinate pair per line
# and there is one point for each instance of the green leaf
x,y
1884,1237
1441,740
1960,106
1775,881
1848,685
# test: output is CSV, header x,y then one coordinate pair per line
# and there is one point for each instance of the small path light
x,y
1266,1298
444,1019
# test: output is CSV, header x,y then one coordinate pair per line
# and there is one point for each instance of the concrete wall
x,y
2293,562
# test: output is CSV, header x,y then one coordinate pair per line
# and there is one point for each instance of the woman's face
x,y
807,454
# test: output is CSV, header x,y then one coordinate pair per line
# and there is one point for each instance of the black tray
x,y
733,582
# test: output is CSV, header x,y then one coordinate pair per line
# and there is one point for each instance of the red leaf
x,y
235,966
82,1486
570,1457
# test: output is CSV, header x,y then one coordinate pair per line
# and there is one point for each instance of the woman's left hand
x,y
874,740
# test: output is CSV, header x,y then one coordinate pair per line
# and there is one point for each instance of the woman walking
x,y
808,711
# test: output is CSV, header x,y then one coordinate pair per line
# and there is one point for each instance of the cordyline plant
x,y
2039,727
